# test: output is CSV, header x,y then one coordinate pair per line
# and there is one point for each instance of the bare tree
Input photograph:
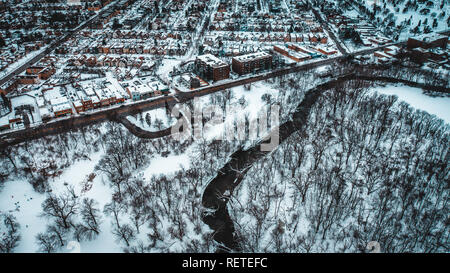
x,y
57,232
9,233
89,227
47,242
61,208
125,232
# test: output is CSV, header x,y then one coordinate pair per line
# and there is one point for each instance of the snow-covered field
x,y
170,164
438,106
427,16
19,198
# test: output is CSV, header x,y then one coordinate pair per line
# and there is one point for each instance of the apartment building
x,y
212,68
249,63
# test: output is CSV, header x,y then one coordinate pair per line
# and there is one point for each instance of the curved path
x,y
139,132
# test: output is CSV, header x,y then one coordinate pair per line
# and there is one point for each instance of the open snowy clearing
x,y
154,120
438,106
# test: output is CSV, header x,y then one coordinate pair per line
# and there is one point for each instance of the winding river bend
x,y
230,175
216,214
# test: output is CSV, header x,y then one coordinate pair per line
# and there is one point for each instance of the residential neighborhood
x,y
136,41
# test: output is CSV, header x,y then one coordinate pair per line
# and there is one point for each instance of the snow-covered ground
x,y
154,120
244,103
169,164
439,106
18,197
409,14
99,192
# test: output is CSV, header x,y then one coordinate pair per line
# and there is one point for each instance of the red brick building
x,y
249,63
210,67
428,41
8,86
